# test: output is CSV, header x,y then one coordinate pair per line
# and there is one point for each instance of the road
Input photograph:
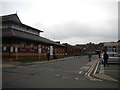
x,y
59,74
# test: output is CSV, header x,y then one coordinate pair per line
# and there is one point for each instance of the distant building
x,y
112,46
69,50
22,41
90,47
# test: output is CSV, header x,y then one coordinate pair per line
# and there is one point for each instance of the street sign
x,y
39,50
51,50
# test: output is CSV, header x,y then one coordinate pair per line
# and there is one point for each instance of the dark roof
x,y
13,18
32,28
27,36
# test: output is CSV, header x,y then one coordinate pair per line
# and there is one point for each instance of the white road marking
x,y
76,78
96,68
101,69
57,75
90,71
80,72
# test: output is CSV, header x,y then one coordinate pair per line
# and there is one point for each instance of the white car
x,y
112,56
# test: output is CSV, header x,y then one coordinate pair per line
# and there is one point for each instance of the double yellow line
x,y
88,73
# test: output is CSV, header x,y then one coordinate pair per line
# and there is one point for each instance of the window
x,y
43,49
32,47
113,49
23,46
109,48
48,48
4,26
4,48
16,49
10,25
11,49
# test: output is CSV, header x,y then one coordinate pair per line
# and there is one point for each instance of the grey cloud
x,y
79,30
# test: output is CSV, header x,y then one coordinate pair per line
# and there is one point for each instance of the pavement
x,y
93,70
96,71
109,73
14,63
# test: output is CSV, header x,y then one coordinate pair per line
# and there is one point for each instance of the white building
x,y
112,46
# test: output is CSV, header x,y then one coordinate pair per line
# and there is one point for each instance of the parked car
x,y
112,56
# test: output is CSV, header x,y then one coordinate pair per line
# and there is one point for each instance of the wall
x,y
25,50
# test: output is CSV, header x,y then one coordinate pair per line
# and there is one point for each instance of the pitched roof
x,y
27,36
10,32
11,17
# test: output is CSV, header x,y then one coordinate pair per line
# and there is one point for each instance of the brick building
x,y
22,41
90,47
71,50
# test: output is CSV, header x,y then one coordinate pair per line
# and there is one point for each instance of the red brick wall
x,y
27,52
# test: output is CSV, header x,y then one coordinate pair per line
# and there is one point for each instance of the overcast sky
x,y
68,21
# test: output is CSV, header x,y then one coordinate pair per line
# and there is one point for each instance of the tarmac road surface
x,y
69,73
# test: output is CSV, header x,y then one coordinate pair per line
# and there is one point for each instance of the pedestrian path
x,y
13,63
105,73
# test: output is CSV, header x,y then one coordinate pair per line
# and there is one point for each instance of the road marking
x,y
90,71
98,77
106,77
86,74
92,78
76,78
96,67
101,69
80,72
95,79
58,75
